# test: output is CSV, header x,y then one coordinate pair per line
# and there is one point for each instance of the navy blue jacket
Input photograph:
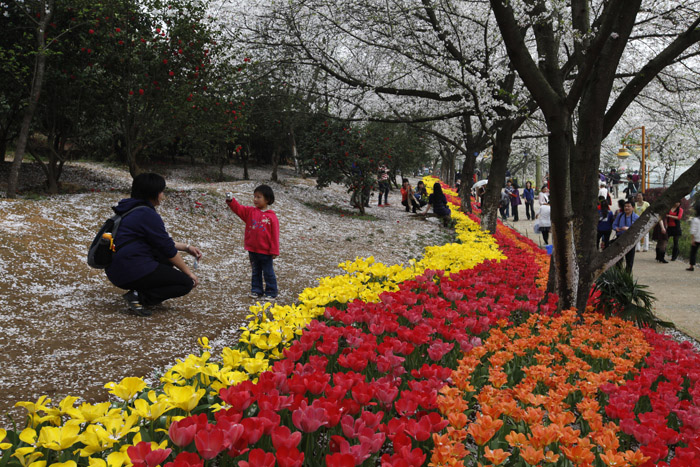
x,y
149,243
439,203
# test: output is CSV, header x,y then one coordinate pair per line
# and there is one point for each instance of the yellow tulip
x,y
96,462
204,343
27,456
118,459
64,464
3,435
87,413
28,435
127,387
150,411
58,438
95,438
183,397
256,365
233,358
118,425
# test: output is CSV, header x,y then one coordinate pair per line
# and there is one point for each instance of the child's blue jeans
x,y
262,269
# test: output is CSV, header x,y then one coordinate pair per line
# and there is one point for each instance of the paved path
x,y
677,291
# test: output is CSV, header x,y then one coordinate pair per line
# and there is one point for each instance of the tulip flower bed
x,y
453,360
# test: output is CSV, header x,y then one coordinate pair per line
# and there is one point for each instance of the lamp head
x,y
623,153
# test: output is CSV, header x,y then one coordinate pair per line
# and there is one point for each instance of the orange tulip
x,y
635,458
497,456
531,455
613,459
483,429
516,440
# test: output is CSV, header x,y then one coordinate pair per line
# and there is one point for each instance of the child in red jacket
x,y
261,240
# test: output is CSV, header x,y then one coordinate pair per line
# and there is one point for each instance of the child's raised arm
x,y
240,210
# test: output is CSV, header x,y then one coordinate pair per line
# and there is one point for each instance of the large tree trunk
x,y
563,234
45,11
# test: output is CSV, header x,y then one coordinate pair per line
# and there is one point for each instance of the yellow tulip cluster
x,y
102,432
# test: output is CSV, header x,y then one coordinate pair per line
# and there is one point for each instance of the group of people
x,y
146,262
668,227
415,200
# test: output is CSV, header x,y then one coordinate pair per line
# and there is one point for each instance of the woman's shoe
x,y
663,261
691,268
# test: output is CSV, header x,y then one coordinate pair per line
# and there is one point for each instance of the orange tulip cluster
x,y
530,393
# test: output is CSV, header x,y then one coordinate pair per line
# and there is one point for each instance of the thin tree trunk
x,y
46,10
497,175
275,161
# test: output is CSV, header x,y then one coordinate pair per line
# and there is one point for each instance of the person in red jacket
x,y
261,240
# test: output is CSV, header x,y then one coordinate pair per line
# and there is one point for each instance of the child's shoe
x,y
269,298
255,295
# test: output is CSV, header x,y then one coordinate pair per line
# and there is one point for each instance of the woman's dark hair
x,y
621,203
147,186
604,206
437,188
267,193
528,183
420,183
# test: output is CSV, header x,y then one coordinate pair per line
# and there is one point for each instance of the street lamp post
x,y
623,153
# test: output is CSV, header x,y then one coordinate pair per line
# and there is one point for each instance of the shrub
x,y
621,295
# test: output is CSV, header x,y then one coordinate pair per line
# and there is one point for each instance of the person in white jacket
x,y
695,234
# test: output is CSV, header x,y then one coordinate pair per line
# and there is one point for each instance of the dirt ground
x,y
63,329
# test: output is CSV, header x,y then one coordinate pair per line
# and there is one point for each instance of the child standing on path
x,y
261,240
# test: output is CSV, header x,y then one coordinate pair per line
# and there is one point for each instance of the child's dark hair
x,y
267,193
147,186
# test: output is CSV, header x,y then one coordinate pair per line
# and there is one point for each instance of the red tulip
x,y
141,455
340,460
282,437
259,458
182,432
186,459
211,442
289,457
308,418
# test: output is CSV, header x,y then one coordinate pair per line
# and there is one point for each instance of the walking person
x,y
503,204
660,236
261,240
622,223
146,260
695,237
515,201
605,224
639,207
543,197
673,227
383,184
529,195
545,217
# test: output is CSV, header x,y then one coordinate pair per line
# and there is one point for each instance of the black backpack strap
x,y
117,221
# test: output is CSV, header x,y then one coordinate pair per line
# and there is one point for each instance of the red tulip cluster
x,y
659,407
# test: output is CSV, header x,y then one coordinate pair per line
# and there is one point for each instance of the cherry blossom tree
x,y
585,62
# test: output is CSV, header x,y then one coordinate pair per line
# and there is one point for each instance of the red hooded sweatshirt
x,y
262,229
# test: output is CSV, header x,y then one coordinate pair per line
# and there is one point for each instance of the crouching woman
x,y
146,260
